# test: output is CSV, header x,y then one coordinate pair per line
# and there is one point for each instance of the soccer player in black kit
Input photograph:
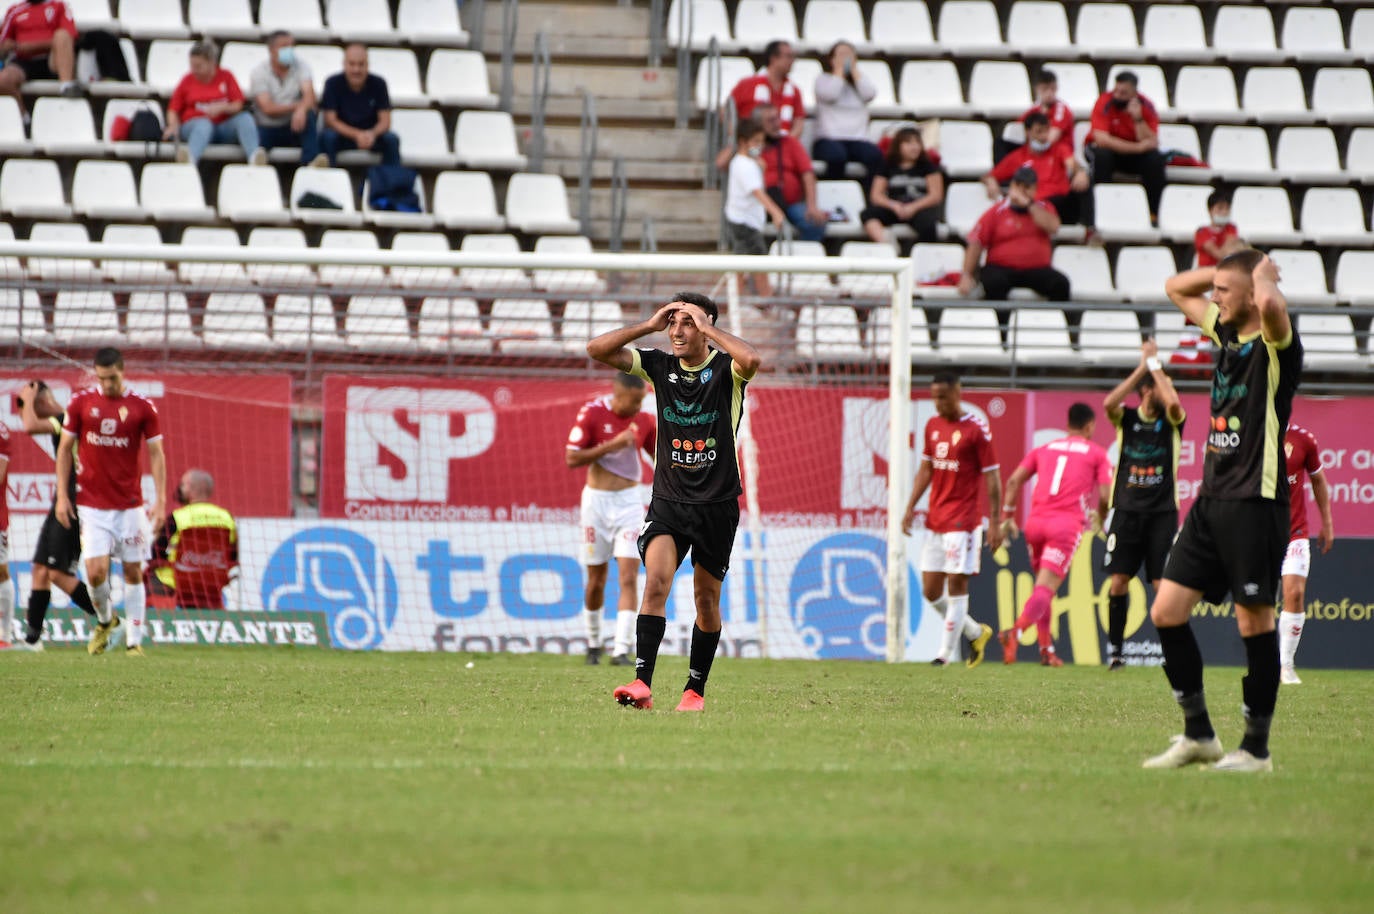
x,y
1144,514
699,388
1234,537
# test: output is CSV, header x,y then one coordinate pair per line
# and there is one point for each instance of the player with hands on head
x,y
1144,505
608,438
956,459
110,422
1068,469
1234,536
699,389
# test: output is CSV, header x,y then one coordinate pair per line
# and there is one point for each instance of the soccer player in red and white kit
x,y
109,422
1069,469
608,437
1303,458
957,452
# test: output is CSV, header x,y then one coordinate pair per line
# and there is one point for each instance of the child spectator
x,y
908,188
746,202
1219,237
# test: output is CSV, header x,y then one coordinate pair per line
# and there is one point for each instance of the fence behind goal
x,y
390,427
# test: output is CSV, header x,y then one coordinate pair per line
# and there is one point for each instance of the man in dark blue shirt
x,y
357,111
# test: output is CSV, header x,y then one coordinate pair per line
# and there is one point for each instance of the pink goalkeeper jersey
x,y
1067,472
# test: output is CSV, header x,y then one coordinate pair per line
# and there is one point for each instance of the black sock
x,y
648,636
36,614
1116,621
1259,689
81,597
704,646
1183,667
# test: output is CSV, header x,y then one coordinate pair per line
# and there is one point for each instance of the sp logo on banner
x,y
339,573
838,597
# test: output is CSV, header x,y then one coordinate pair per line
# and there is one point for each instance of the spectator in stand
x,y
357,111
909,187
198,548
1125,138
38,41
207,107
1015,233
1063,182
746,204
842,97
284,100
1047,102
788,178
1219,238
772,87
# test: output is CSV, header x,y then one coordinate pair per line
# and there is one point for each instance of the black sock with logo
x,y
703,653
648,636
36,614
1183,668
81,597
1116,621
1259,689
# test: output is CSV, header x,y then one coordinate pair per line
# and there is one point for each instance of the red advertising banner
x,y
1347,448
237,427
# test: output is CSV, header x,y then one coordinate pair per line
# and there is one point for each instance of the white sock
x,y
135,608
972,627
100,599
624,631
7,630
591,618
941,604
954,626
1290,632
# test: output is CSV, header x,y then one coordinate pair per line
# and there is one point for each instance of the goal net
x,y
389,427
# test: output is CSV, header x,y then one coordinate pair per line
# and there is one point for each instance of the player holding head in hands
x,y
1069,469
1234,536
607,439
1144,515
57,555
956,458
699,388
1303,455
109,422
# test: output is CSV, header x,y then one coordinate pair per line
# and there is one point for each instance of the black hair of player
x,y
1244,261
629,381
774,48
1129,77
1218,196
109,357
701,301
1147,382
1036,119
1045,77
1080,414
945,378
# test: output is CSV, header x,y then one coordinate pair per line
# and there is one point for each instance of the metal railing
x,y
620,193
656,30
541,67
510,19
474,14
588,142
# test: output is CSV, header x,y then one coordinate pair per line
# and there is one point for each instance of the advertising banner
x,y
71,627
238,427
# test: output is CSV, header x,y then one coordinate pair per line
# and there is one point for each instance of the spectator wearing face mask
x,y
1062,181
1219,237
1125,138
842,97
1048,103
1015,234
283,96
746,202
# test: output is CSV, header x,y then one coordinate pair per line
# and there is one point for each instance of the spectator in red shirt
x,y
772,87
1015,233
1125,138
1063,182
38,41
1047,102
1219,237
207,107
788,178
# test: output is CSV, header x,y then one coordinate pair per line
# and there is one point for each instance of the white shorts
x,y
1298,558
126,536
610,524
958,552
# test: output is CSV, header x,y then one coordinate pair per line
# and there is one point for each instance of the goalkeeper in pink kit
x,y
1069,469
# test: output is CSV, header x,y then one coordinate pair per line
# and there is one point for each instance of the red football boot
x,y
1049,658
691,701
636,695
1008,639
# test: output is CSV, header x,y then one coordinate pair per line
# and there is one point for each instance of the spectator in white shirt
x,y
747,203
283,96
842,97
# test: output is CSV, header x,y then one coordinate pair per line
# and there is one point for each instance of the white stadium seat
x,y
970,28
1039,335
524,326
1107,31
1182,137
799,283
501,279
305,322
214,274
828,332
222,19
804,73
1207,93
933,262
965,202
160,318
902,27
538,205
421,277
1343,95
970,335
251,193
144,19
64,126
1334,216
331,183
1182,211
1359,154
52,268
583,320
1090,276
696,22
378,323
1275,94
92,14
1123,213
860,285
13,139
566,280
827,21
301,19
424,139
1109,337
233,320
351,274
1355,278
918,334
1304,277
1241,154
1174,31
931,88
1245,33
452,325
32,189
324,60
134,271
966,148
397,218
885,93
127,108
1308,155
1328,342
1264,215
241,58
368,21
277,238
85,318
713,85
1040,27
486,140
168,62
999,88
758,22
172,192
1142,271
1314,34
459,79
430,22
843,200
1078,86
1361,35
105,190
466,200
1151,83
401,71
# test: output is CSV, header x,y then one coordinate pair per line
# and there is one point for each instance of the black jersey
x,y
1252,397
699,408
1146,463
57,423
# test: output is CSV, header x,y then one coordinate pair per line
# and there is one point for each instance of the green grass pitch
x,y
204,780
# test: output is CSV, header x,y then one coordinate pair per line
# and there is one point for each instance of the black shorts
x,y
745,239
1136,537
1231,547
59,547
707,530
36,68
